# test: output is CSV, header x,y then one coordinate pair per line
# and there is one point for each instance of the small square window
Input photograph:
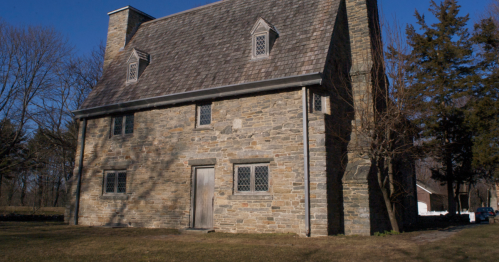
x,y
122,125
251,179
204,115
115,182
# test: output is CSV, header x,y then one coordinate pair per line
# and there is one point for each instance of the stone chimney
x,y
123,23
362,208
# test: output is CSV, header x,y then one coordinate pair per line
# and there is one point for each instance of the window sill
x,y
114,197
251,197
202,128
121,137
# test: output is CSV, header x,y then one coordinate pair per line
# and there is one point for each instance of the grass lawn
x,y
32,241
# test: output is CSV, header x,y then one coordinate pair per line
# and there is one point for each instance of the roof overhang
x,y
424,188
204,94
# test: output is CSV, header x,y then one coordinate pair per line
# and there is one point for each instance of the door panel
x,y
205,183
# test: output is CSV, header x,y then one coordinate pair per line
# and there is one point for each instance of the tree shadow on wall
x,y
150,157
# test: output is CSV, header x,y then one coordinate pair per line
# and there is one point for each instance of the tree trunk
x,y
458,197
23,187
12,190
40,191
57,191
1,176
386,198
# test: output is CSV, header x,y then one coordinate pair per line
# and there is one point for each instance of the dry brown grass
x,y
58,242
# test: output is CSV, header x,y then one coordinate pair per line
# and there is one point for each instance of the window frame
x,y
136,72
323,103
254,55
198,115
252,179
123,125
115,184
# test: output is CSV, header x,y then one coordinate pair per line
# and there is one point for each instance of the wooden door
x,y
205,183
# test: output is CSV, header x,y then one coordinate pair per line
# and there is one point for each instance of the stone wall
x,y
157,156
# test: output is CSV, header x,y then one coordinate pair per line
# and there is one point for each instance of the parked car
x,y
483,214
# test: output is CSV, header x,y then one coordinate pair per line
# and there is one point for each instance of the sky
x,y
85,23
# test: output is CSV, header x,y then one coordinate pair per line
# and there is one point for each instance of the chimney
x,y
366,56
123,23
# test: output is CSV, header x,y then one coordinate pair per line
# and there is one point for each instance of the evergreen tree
x,y
440,71
484,112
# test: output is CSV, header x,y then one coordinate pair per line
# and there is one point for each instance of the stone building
x,y
227,116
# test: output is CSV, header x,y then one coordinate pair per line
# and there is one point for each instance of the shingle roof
x,y
210,47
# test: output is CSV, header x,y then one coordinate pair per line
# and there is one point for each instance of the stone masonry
x,y
357,192
157,156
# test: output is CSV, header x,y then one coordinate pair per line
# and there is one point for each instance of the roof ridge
x,y
185,11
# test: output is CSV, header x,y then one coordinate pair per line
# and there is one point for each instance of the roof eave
x,y
205,94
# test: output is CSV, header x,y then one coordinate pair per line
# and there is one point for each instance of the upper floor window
x,y
204,115
263,37
137,63
318,103
115,182
122,125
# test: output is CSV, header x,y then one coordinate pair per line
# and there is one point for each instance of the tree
x,y
484,112
440,74
29,58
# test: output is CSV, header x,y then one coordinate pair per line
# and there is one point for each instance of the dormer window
x,y
263,37
132,72
137,63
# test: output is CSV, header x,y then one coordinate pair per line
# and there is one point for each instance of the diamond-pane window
x,y
132,72
110,179
252,179
317,103
204,115
115,182
123,125
118,125
244,179
121,182
129,124
261,178
260,45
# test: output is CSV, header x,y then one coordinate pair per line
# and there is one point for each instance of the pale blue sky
x,y
85,22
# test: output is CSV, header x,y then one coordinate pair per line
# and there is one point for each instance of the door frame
x,y
193,192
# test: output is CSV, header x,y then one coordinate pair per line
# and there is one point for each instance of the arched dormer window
x,y
263,36
136,64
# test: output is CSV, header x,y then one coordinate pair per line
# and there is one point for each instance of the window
x,y
251,179
260,45
204,115
115,182
318,103
132,72
122,125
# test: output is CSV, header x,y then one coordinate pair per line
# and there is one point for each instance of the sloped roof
x,y
210,47
426,187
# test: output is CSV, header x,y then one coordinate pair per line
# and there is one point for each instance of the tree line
x,y
42,79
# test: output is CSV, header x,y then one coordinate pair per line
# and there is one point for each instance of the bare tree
x,y
29,58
